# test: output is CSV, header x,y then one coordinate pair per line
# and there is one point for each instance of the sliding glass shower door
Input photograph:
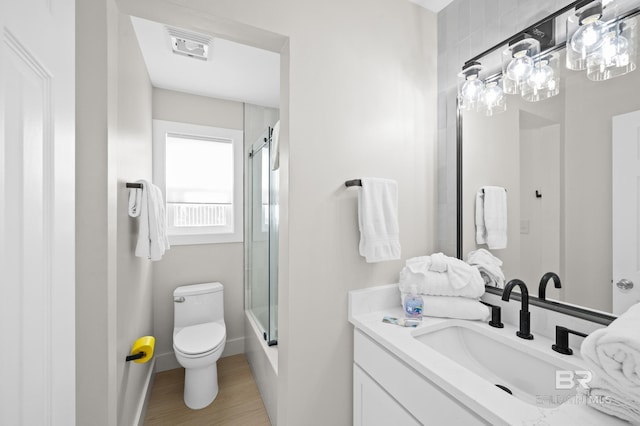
x,y
262,291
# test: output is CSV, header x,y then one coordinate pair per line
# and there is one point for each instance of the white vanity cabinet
x,y
386,391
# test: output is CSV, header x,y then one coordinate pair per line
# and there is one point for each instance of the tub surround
x,y
477,400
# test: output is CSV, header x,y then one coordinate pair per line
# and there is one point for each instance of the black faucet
x,y
542,289
525,316
562,340
495,315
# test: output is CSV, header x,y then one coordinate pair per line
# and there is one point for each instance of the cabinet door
x,y
372,406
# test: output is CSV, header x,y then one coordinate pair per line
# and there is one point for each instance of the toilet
x,y
199,335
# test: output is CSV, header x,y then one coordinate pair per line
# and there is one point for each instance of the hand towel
x,y
491,217
460,279
378,220
452,307
489,267
135,201
152,233
275,147
613,353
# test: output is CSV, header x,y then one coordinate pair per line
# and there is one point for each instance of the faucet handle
x,y
495,315
562,340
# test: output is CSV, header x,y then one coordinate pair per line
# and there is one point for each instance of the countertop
x,y
367,307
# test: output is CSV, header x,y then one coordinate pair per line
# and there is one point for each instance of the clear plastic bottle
x,y
413,304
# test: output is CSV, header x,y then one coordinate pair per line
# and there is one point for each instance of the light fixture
x,y
543,81
492,99
617,55
518,63
586,31
470,86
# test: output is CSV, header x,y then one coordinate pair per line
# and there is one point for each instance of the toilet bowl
x,y
199,337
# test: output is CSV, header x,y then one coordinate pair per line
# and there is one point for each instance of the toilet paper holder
x,y
142,350
139,355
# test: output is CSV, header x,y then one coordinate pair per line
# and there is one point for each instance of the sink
x,y
520,368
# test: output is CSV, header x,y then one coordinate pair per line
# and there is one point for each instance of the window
x,y
199,170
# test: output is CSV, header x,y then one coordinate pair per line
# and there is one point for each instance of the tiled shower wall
x,y
465,29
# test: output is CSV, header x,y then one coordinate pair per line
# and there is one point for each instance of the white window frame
x,y
161,129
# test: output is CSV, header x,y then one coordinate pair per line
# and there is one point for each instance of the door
x,y
626,213
37,322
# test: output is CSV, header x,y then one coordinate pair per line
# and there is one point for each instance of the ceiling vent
x,y
189,44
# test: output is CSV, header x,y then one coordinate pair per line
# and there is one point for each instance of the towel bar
x,y
353,182
134,185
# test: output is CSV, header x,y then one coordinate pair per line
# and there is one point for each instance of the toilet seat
x,y
199,339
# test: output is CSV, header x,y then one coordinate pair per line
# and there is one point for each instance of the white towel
x,y
613,353
609,399
459,279
491,217
439,263
135,201
489,267
452,307
378,220
275,147
152,232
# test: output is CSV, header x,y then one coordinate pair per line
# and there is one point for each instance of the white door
x,y
37,321
626,211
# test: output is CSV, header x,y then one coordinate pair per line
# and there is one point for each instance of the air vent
x,y
189,44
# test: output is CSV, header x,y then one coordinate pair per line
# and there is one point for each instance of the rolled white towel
x,y
452,307
613,353
605,397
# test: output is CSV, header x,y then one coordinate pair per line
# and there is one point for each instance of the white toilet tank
x,y
197,304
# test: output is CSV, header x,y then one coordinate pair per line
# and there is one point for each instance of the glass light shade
x,y
541,75
617,55
588,38
492,99
544,80
519,68
586,30
470,87
517,64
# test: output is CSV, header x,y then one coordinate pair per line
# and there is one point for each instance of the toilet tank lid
x,y
193,289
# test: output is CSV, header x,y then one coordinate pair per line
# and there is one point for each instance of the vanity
x,y
446,372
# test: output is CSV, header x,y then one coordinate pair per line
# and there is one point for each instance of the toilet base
x,y
200,386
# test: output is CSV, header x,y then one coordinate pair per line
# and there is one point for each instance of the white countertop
x,y
367,307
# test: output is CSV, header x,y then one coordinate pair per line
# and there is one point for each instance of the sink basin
x,y
521,368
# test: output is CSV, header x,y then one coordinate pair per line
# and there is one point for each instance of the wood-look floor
x,y
238,401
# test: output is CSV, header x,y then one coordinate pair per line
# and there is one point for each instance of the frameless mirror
x,y
570,165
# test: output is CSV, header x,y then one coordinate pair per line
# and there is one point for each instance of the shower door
x,y
262,290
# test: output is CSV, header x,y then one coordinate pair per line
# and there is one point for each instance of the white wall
x,y
113,145
359,101
133,162
183,265
96,123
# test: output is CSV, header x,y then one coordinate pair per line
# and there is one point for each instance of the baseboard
x,y
144,403
167,361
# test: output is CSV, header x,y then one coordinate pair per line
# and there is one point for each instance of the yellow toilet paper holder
x,y
142,350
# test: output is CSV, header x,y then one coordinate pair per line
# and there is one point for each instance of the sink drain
x,y
506,389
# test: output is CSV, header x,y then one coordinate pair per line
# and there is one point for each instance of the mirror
x,y
570,165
